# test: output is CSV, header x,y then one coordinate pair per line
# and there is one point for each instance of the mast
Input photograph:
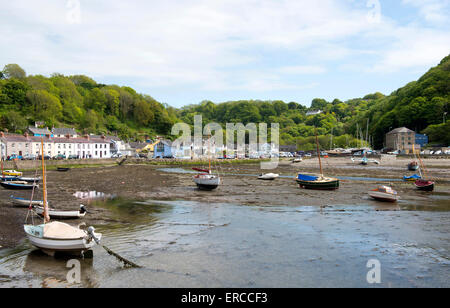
x,y
318,153
46,217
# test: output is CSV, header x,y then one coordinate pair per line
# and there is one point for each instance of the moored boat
x,y
413,166
384,193
317,182
22,202
424,185
62,169
206,181
60,237
60,214
18,185
12,173
268,176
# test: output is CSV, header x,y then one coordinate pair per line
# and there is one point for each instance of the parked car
x,y
46,156
73,156
29,157
15,157
438,152
60,156
117,155
308,155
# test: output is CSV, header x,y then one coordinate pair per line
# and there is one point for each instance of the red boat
x,y
424,185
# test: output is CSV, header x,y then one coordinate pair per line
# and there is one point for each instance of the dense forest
x,y
80,102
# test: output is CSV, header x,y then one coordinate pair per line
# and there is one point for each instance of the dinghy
x,y
413,166
268,176
18,185
384,193
317,182
424,185
12,173
60,237
58,214
62,169
297,160
22,202
20,178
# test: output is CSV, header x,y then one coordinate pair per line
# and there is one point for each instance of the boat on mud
x,y
268,176
60,214
319,182
384,193
18,185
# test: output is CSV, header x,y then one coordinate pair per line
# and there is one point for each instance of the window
x,y
96,147
95,153
12,145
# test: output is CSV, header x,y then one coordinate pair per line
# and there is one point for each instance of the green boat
x,y
317,182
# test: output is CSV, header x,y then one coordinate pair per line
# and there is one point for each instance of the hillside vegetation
x,y
81,102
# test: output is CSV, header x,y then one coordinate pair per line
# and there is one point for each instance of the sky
x,y
184,52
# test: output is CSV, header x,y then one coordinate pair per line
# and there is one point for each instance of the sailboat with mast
x,y
317,182
206,180
423,183
52,237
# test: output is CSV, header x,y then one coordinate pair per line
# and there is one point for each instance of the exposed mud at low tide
x,y
243,232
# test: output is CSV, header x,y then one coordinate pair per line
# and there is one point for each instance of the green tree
x,y
14,71
46,106
13,121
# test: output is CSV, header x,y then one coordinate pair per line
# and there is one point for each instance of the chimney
x,y
87,137
68,136
2,134
26,135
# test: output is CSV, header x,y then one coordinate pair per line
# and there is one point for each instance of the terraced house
x,y
80,146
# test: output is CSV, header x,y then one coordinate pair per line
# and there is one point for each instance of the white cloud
x,y
303,69
219,45
436,11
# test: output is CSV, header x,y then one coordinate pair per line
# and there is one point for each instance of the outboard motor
x,y
91,232
82,209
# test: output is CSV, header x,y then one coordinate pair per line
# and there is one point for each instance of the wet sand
x,y
239,186
247,233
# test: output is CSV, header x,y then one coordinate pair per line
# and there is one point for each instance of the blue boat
x,y
21,185
412,178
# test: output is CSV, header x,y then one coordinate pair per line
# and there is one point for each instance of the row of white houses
x,y
27,145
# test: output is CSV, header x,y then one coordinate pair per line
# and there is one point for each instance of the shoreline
x,y
240,186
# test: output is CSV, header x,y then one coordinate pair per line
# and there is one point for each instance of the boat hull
x,y
268,177
54,214
424,185
384,197
22,202
66,246
62,169
15,186
207,182
332,184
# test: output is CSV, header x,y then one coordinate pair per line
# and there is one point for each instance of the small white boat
x,y
60,237
22,202
384,193
297,160
206,181
268,176
58,214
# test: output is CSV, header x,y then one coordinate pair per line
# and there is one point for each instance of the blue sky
x,y
183,52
